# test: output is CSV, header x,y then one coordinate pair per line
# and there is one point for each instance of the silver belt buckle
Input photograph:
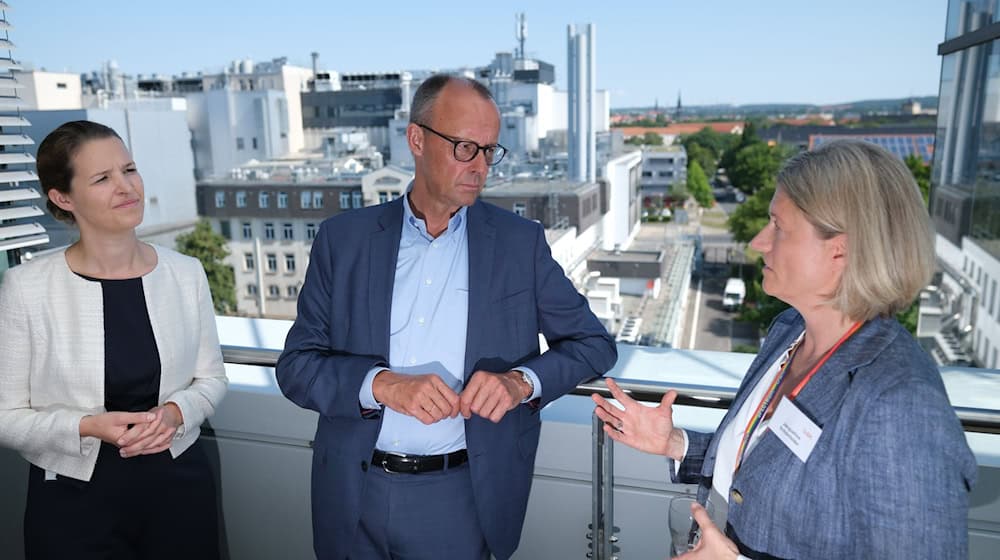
x,y
385,463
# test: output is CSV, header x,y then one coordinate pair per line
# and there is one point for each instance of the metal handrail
x,y
978,420
602,537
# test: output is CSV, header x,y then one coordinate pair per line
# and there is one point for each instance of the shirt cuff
x,y
536,384
677,464
365,396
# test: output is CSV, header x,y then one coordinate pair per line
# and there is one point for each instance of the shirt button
x,y
420,320
736,496
413,361
428,281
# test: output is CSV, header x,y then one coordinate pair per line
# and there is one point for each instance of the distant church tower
x,y
677,111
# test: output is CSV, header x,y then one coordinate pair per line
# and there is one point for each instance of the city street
x,y
705,324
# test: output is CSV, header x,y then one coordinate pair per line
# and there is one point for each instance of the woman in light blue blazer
x,y
841,442
110,364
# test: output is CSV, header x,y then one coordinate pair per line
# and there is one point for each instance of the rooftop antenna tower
x,y
521,32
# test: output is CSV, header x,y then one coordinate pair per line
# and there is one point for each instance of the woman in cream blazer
x,y
111,363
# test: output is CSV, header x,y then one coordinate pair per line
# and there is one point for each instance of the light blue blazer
x,y
890,475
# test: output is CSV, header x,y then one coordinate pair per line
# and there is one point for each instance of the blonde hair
x,y
865,192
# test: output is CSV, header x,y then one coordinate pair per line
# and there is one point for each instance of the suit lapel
x,y
821,397
482,247
383,252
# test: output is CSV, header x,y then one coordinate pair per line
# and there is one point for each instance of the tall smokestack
x,y
582,70
315,59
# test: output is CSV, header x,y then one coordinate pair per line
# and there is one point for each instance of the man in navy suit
x,y
417,342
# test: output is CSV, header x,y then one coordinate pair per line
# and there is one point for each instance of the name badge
x,y
795,429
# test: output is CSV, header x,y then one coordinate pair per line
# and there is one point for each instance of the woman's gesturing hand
x,y
646,428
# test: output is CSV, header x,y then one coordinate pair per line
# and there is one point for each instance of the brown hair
x,y
55,159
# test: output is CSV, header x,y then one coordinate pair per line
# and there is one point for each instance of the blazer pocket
x,y
515,299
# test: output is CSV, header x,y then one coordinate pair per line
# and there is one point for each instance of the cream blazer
x,y
52,356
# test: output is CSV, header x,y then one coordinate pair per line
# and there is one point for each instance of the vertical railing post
x,y
602,526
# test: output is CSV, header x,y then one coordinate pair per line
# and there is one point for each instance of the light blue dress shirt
x,y
427,332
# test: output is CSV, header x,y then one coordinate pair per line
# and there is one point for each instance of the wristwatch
x,y
527,380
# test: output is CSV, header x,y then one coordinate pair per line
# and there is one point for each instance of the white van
x,y
735,292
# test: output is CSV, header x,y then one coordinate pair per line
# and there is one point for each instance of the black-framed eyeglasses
x,y
467,150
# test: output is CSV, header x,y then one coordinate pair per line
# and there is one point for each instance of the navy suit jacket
x,y
516,290
889,476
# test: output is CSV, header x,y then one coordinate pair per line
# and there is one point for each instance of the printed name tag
x,y
795,429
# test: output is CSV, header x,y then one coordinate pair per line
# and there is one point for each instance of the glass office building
x,y
965,186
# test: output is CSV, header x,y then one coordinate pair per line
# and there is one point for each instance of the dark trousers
x,y
145,507
419,516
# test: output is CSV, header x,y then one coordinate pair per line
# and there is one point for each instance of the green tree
x,y
647,139
703,156
755,166
921,174
697,185
908,316
679,191
751,216
652,139
747,138
210,248
717,142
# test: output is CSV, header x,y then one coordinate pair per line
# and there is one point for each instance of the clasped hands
x,y
429,399
135,433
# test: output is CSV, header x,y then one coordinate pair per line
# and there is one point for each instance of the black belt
x,y
416,464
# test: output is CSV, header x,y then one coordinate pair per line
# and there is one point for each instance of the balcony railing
x,y
602,529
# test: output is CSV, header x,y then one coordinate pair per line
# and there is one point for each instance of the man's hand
x,y
425,397
491,395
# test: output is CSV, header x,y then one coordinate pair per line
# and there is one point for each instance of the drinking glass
x,y
681,523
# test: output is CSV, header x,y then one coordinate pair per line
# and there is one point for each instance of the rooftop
x,y
533,187
676,129
669,148
283,181
628,256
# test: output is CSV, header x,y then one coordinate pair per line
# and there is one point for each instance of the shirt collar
x,y
412,225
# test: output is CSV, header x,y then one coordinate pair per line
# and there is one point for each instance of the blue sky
x,y
713,51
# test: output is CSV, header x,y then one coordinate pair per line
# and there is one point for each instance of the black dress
x,y
142,507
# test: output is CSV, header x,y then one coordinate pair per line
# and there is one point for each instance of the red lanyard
x,y
772,391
